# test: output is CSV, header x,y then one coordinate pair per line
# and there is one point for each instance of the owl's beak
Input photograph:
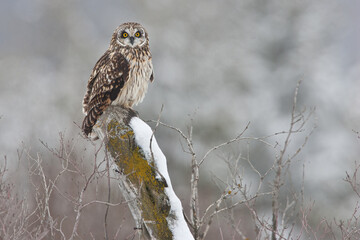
x,y
132,40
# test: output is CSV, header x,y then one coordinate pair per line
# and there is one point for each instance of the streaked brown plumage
x,y
120,76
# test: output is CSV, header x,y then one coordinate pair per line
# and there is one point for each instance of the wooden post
x,y
142,173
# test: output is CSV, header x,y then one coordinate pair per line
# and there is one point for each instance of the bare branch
x,y
237,138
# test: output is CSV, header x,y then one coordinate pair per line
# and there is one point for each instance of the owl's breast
x,y
136,86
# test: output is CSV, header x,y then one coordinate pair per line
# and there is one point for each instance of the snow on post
x,y
143,177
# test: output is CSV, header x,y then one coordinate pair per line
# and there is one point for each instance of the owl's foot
x,y
133,112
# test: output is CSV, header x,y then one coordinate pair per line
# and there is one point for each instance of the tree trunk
x,y
142,175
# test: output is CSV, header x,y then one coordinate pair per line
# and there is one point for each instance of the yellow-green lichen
x,y
131,161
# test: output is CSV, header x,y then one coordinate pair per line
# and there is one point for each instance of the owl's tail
x,y
91,118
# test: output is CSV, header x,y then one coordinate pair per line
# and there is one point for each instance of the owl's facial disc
x,y
131,37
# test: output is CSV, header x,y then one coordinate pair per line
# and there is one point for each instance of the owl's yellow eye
x,y
124,35
138,34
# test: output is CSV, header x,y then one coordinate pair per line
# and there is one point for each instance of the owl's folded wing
x,y
108,77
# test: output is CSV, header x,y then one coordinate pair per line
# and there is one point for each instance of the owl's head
x,y
130,35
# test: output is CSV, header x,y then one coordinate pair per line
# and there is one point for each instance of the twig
x,y
155,128
109,194
237,138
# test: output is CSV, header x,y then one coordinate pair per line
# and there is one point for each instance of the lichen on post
x,y
142,173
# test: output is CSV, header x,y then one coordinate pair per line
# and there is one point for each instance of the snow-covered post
x,y
143,177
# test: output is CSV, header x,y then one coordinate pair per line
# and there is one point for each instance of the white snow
x,y
143,134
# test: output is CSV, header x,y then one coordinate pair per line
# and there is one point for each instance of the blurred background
x,y
217,66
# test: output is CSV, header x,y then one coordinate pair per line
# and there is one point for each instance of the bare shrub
x,y
237,194
68,196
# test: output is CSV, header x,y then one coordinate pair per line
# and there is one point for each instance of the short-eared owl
x,y
121,75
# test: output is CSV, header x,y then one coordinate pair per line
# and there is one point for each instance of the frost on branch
x,y
142,175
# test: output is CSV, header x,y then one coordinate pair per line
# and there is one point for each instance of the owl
x,y
121,76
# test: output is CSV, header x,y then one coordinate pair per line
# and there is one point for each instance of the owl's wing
x,y
108,77
101,63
